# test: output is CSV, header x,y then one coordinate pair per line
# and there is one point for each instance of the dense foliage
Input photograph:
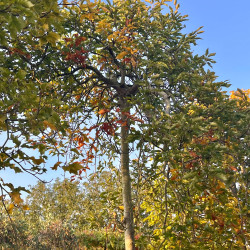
x,y
67,215
115,86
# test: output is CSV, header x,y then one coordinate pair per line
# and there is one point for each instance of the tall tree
x,y
122,74
130,67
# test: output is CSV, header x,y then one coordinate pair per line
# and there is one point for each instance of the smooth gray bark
x,y
126,182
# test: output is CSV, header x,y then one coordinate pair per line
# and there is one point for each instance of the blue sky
x,y
227,33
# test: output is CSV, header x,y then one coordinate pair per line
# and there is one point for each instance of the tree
x,y
123,73
85,205
198,188
68,215
137,60
26,108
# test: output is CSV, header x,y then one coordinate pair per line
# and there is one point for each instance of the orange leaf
x,y
103,111
174,177
189,165
121,55
77,97
193,154
233,168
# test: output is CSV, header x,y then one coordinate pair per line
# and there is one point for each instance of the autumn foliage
x,y
112,91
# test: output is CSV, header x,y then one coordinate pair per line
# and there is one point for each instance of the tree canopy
x,y
116,85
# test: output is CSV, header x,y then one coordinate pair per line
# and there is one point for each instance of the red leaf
x,y
193,154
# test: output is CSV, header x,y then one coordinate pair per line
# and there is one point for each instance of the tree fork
x,y
126,182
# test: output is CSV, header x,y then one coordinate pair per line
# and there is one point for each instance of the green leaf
x,y
37,161
27,4
73,168
52,37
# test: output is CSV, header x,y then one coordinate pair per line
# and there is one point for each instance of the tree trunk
x,y
126,182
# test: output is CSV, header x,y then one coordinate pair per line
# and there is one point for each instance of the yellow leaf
x,y
52,37
45,26
121,207
91,4
10,208
121,55
133,62
110,37
25,207
200,32
88,16
16,197
203,221
190,112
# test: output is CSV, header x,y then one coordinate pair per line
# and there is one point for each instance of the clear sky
x,y
227,32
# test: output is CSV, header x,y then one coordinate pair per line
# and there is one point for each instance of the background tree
x,y
69,215
29,29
